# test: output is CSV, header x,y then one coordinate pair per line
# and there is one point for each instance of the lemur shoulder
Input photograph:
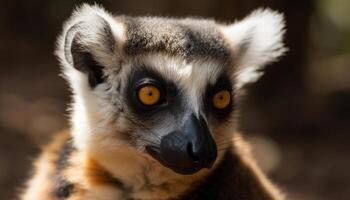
x,y
154,112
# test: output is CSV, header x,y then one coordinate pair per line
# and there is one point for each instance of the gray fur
x,y
187,38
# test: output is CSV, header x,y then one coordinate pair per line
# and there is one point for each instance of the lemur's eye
x,y
221,99
149,95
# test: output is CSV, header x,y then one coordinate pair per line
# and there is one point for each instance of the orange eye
x,y
149,95
222,99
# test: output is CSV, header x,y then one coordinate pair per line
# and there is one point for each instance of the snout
x,y
187,150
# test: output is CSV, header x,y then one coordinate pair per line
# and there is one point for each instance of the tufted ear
x,y
256,41
88,44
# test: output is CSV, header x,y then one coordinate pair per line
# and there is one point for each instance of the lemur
x,y
155,105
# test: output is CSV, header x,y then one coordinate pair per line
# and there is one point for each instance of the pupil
x,y
221,97
149,93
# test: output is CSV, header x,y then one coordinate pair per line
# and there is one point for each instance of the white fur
x,y
91,33
261,34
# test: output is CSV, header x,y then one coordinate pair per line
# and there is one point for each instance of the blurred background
x,y
297,115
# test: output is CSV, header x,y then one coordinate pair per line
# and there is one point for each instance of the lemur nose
x,y
190,149
201,148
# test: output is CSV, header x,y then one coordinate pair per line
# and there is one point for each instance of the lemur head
x,y
163,88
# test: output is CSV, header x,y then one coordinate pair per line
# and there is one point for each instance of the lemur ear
x,y
256,41
89,43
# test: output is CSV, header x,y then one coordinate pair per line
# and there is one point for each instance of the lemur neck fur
x,y
142,175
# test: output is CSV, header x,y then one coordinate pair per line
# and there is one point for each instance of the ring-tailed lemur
x,y
154,108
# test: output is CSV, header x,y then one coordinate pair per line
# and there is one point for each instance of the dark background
x,y
297,115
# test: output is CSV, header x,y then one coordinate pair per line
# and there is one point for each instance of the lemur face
x,y
178,107
163,88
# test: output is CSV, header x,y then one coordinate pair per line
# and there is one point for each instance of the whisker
x,y
102,128
143,126
224,142
223,149
148,141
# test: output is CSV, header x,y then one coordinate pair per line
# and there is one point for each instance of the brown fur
x,y
235,177
40,186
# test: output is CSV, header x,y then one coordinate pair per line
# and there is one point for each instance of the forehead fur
x,y
188,38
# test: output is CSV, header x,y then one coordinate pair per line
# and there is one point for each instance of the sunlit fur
x,y
100,117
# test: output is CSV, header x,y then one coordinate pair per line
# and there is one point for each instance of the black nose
x,y
189,150
200,148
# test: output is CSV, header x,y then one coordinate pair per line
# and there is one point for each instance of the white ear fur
x,y
256,41
91,31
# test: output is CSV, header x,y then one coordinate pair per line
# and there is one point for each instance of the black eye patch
x,y
169,94
222,83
